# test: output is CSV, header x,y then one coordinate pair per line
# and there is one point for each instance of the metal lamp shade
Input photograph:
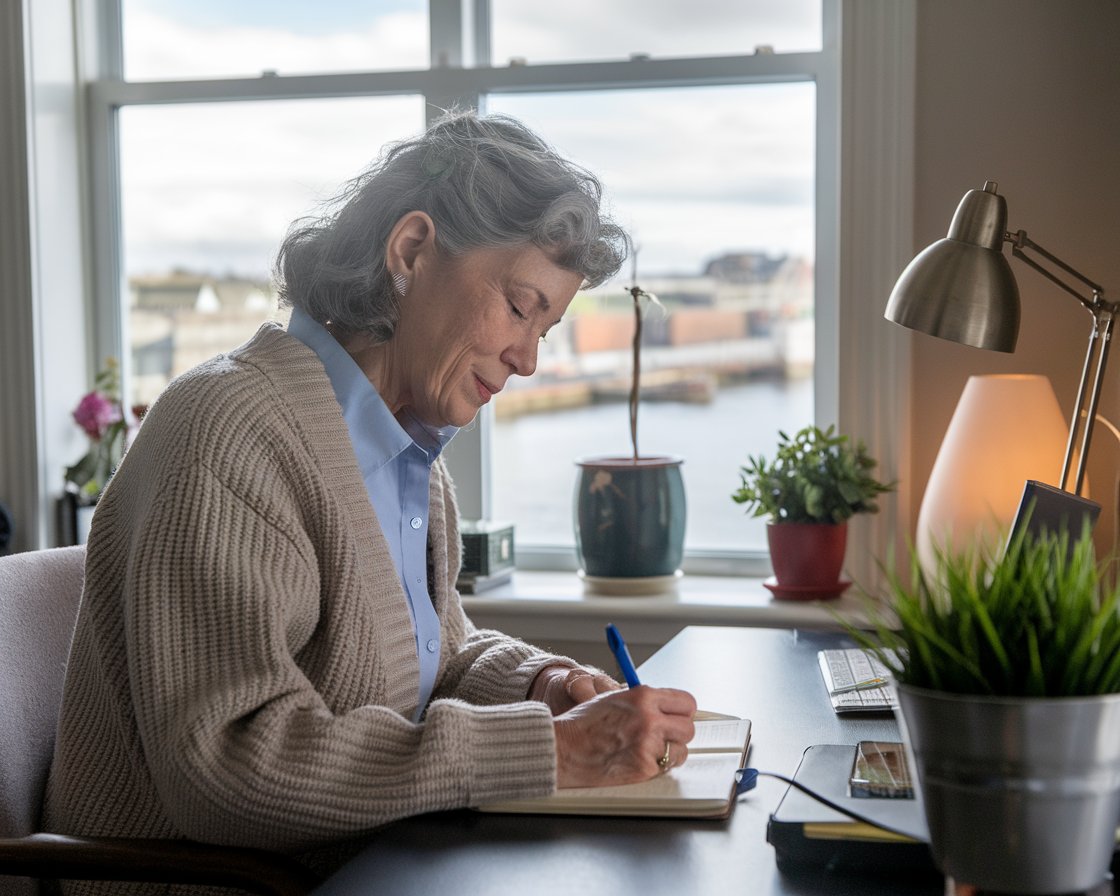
x,y
961,288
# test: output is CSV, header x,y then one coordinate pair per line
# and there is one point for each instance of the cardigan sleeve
x,y
481,666
241,746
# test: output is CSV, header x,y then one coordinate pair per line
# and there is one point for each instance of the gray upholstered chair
x,y
39,596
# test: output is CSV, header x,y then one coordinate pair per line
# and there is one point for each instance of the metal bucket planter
x,y
1022,795
630,517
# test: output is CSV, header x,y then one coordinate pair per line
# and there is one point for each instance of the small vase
x,y
630,516
807,555
74,517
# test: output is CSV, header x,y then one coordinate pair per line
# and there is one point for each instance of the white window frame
x,y
864,77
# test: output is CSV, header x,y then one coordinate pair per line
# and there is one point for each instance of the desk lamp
x,y
961,288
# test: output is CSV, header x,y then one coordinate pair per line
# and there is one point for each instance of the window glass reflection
x,y
716,186
182,39
207,193
586,30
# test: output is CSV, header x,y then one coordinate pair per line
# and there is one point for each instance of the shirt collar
x,y
377,435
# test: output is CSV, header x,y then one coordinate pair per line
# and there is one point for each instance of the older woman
x,y
271,650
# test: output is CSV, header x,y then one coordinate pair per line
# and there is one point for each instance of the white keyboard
x,y
847,673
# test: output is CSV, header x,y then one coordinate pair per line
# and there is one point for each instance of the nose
x,y
522,356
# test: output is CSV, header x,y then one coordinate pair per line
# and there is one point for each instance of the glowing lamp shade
x,y
1006,429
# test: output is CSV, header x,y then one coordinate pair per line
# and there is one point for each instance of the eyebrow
x,y
542,300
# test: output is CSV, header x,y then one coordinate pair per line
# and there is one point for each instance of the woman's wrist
x,y
548,675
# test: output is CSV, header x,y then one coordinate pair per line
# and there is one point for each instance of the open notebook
x,y
703,787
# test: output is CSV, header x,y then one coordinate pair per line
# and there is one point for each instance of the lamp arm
x,y
1100,340
1020,242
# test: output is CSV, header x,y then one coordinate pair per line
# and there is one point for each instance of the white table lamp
x,y
1006,429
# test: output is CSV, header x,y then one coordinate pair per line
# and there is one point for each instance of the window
x,y
231,120
187,39
585,30
207,191
722,217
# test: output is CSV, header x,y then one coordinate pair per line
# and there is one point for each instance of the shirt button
x,y
432,645
416,522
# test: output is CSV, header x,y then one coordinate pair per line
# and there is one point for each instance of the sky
x,y
692,173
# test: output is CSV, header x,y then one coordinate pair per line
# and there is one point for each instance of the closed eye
x,y
517,312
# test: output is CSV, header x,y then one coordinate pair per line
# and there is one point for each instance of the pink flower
x,y
95,414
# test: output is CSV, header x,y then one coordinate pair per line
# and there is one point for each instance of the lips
x,y
485,390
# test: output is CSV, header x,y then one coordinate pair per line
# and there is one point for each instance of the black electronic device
x,y
1045,508
488,554
7,529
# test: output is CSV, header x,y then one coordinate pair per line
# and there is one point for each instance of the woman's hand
x,y
623,737
563,687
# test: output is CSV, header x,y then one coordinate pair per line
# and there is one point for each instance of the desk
x,y
767,675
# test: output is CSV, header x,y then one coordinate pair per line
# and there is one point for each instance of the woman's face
x,y
469,323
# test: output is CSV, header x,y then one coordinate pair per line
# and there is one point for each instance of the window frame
x,y
864,231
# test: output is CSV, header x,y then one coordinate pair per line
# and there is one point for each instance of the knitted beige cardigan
x,y
244,669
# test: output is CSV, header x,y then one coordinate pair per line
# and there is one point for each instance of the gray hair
x,y
486,182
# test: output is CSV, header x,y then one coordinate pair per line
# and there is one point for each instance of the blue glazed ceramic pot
x,y
630,516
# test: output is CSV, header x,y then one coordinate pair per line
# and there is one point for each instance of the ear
x,y
412,238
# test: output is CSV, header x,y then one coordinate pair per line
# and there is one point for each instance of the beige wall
x,y
1026,93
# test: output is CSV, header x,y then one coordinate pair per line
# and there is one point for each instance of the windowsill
x,y
557,598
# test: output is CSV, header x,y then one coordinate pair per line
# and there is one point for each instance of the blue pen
x,y
622,655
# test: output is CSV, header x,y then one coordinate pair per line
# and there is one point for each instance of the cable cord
x,y
748,780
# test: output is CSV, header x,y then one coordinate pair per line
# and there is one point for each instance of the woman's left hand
x,y
562,687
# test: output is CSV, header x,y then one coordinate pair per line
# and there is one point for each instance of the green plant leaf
x,y
1034,619
816,476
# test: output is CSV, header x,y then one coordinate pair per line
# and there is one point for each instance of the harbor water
x,y
534,456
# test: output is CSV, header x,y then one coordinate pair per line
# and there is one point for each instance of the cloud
x,y
694,172
593,30
684,167
158,47
240,173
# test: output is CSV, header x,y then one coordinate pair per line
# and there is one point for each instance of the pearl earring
x,y
400,282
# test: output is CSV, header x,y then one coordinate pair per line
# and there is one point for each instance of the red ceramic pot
x,y
807,555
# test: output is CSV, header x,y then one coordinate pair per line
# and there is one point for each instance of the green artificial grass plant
x,y
1033,621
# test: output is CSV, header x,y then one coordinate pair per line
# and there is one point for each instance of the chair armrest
x,y
151,860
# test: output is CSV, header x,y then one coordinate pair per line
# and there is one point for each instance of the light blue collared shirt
x,y
395,461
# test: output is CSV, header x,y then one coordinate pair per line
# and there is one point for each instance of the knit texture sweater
x,y
244,667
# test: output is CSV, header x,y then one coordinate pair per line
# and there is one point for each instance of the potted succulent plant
x,y
1007,667
817,480
630,510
